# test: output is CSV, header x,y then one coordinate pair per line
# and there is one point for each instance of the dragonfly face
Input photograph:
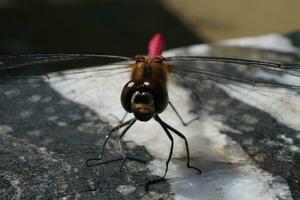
x,y
146,94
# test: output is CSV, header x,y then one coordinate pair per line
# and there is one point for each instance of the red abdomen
x,y
156,45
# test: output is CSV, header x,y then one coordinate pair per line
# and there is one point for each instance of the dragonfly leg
x,y
98,160
180,118
186,145
151,182
119,120
124,117
120,142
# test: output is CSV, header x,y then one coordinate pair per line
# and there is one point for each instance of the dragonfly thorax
x,y
146,68
146,94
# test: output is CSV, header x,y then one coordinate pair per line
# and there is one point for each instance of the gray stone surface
x,y
46,138
45,141
270,143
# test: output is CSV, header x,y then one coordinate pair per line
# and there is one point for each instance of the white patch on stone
x,y
282,104
4,129
34,98
125,189
269,42
35,133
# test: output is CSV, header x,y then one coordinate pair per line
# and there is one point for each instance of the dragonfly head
x,y
144,98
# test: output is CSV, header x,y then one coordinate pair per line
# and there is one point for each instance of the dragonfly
x,y
146,94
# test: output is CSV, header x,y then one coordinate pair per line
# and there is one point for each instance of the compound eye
x,y
127,92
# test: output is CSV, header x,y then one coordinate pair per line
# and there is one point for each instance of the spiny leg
x,y
97,161
119,120
157,118
180,118
120,142
124,117
186,145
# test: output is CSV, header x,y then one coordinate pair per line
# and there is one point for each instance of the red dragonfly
x,y
146,95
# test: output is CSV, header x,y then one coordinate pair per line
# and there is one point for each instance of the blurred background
x,y
124,27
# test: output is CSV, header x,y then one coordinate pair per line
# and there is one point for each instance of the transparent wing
x,y
58,121
59,116
23,95
21,60
17,69
272,87
287,68
54,123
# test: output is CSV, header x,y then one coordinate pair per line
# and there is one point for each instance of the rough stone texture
x,y
263,140
271,144
45,140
